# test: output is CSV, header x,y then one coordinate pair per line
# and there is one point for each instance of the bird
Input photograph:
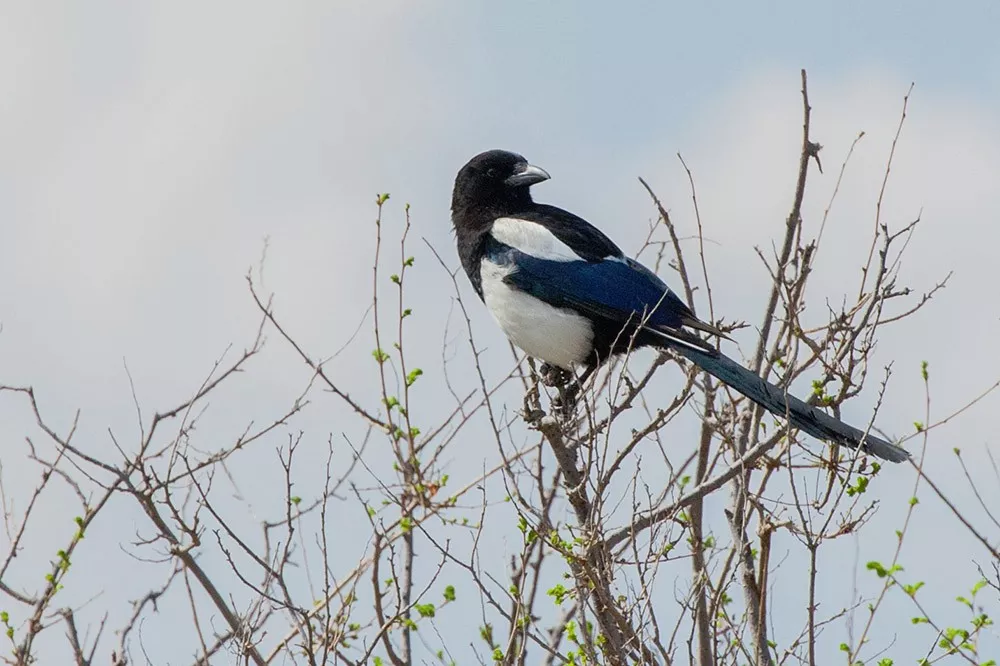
x,y
565,294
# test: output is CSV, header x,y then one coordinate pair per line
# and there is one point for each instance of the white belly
x,y
556,336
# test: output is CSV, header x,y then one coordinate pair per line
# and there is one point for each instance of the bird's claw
x,y
553,376
565,401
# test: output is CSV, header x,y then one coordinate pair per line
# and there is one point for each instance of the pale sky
x,y
147,150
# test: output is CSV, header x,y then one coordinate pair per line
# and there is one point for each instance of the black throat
x,y
473,213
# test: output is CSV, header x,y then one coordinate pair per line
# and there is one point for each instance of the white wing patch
x,y
532,239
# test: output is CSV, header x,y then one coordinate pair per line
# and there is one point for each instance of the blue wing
x,y
619,290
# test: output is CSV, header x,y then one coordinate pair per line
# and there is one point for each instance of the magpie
x,y
564,293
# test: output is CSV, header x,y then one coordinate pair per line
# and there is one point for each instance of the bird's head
x,y
495,179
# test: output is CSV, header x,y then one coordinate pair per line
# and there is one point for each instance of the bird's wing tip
x,y
887,451
705,327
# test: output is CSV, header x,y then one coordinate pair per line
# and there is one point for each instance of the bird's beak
x,y
528,174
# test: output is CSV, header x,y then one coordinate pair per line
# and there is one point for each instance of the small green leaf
x,y
425,610
859,487
981,620
558,592
449,593
411,377
877,567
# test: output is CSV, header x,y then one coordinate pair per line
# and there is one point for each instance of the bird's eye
x,y
491,173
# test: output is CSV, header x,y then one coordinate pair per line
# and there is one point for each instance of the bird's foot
x,y
565,402
553,376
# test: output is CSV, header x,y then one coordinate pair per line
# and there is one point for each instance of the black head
x,y
497,180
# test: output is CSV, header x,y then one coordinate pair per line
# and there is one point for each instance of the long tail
x,y
775,400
